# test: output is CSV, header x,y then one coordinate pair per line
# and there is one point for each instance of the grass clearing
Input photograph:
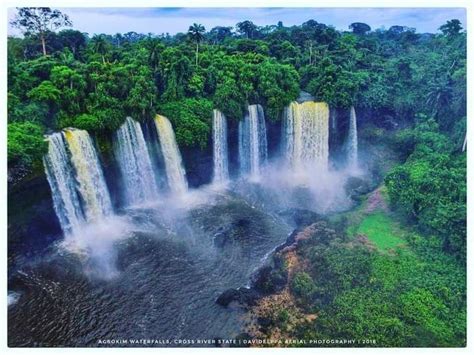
x,y
381,230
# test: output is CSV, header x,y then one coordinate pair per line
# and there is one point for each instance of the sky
x,y
173,20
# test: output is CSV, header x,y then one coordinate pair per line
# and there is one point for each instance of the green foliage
x,y
430,187
451,28
426,313
45,92
277,86
96,82
303,286
40,20
26,144
415,297
191,119
379,229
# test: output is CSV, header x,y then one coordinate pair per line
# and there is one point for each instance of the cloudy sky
x,y
173,20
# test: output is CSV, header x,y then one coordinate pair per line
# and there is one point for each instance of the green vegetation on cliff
x,y
66,78
430,187
380,284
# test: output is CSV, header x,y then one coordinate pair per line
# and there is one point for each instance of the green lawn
x,y
380,230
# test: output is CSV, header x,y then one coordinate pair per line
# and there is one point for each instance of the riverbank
x,y
368,276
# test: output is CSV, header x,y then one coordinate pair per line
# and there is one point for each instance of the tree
x,y
40,20
26,144
100,46
219,33
397,29
196,33
248,28
191,119
359,28
430,187
45,92
74,40
451,28
155,47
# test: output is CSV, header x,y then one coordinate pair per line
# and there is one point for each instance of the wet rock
x,y
237,230
270,279
304,96
355,187
265,322
242,295
301,217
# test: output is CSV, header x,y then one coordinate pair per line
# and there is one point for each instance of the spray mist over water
x,y
95,244
300,178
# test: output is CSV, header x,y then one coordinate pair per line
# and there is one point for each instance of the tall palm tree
x,y
100,46
196,33
155,47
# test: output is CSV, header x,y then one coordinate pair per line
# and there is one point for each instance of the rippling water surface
x,y
160,281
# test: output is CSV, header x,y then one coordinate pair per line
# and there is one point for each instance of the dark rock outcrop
x,y
300,217
273,277
242,295
356,187
270,278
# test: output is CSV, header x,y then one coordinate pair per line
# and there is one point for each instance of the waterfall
x,y
252,141
61,179
306,134
220,149
352,145
76,180
91,182
173,163
135,163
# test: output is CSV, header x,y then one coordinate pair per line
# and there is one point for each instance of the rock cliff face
x,y
31,214
275,277
279,307
269,301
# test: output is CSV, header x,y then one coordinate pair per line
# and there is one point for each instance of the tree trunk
x,y
43,43
197,53
465,143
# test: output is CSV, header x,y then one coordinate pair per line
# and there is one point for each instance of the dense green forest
x,y
404,78
411,85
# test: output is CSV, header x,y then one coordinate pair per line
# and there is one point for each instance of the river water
x,y
153,272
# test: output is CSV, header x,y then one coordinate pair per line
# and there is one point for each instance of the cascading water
x,y
352,144
175,172
61,179
135,163
76,179
252,141
220,149
306,134
91,183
